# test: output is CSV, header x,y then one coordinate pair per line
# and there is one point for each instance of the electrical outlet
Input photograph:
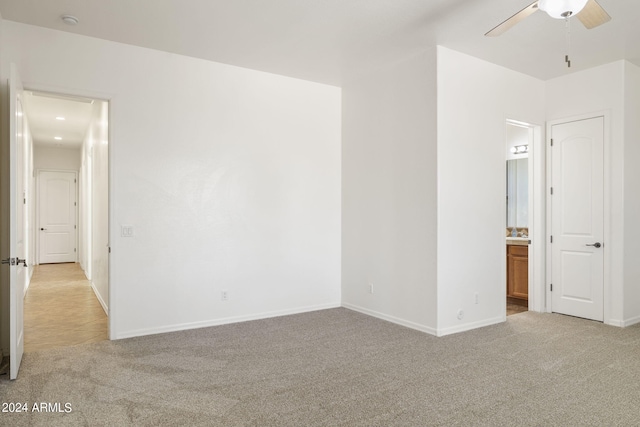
x,y
370,288
224,295
460,314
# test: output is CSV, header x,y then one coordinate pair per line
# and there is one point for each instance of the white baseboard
x,y
615,322
409,324
102,303
29,277
222,321
631,321
470,326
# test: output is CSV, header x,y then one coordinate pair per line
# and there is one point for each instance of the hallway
x,y
60,309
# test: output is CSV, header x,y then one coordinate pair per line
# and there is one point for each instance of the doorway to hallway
x,y
66,300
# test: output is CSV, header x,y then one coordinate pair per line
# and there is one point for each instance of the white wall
x,y
230,178
30,205
631,194
597,90
56,158
94,202
389,191
475,98
98,146
84,209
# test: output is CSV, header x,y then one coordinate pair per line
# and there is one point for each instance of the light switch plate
x,y
126,230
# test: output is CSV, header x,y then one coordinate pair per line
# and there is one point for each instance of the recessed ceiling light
x,y
60,118
69,19
57,138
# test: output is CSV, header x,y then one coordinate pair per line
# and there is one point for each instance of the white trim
x,y
606,116
222,321
66,91
111,267
407,323
102,303
537,251
630,322
470,326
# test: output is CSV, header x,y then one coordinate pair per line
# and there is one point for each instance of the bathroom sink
x,y
517,241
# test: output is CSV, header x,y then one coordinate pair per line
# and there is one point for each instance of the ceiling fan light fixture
x,y
561,9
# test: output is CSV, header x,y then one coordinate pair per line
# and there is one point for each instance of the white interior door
x,y
17,263
57,216
577,215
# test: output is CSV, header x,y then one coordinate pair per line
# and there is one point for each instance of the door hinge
x,y
74,180
75,204
551,287
75,227
74,249
109,249
551,239
551,189
552,142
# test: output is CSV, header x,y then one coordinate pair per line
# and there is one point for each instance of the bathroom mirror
x,y
517,193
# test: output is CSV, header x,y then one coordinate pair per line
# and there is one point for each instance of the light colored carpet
x,y
338,367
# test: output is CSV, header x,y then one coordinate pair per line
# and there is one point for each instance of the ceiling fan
x,y
589,12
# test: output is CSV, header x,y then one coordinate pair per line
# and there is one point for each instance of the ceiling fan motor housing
x,y
561,9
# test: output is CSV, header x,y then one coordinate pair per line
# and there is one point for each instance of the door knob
x,y
596,244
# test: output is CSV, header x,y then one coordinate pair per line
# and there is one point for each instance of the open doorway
x,y
66,302
524,214
519,143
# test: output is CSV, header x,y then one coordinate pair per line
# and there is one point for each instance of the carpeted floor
x,y
338,367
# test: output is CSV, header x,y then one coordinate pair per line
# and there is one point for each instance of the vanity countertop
x,y
521,241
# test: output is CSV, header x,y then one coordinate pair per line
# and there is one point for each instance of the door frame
x,y
110,98
38,207
607,288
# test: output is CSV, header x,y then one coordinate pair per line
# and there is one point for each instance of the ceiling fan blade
x,y
593,15
506,25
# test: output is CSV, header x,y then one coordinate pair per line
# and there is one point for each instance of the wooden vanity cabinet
x,y
518,272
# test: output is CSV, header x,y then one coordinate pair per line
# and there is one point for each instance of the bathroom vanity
x,y
517,270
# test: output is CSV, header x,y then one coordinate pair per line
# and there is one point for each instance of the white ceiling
x,y
42,111
325,40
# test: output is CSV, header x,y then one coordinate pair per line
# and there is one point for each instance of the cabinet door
x,y
518,272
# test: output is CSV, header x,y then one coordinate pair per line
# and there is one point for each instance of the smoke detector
x,y
69,19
